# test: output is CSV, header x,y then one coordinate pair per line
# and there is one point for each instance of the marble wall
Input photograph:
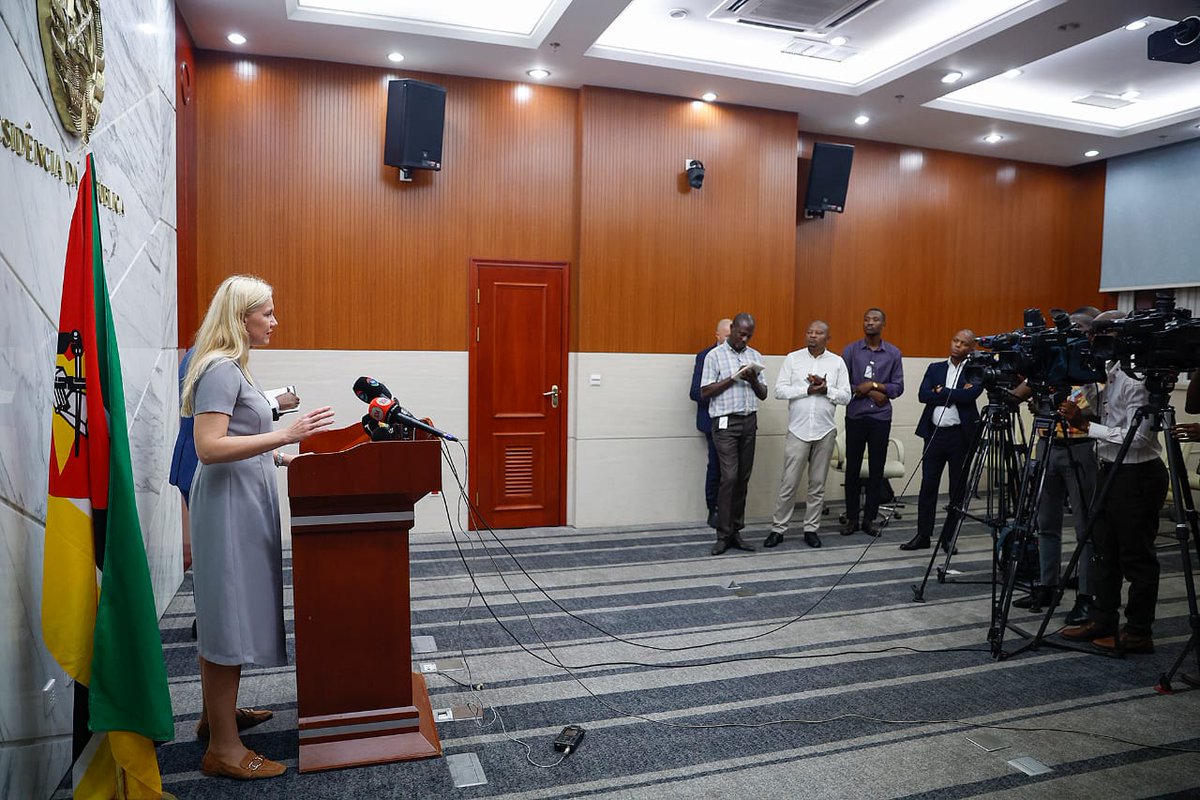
x,y
134,149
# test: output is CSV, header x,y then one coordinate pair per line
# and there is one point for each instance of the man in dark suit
x,y
948,427
712,479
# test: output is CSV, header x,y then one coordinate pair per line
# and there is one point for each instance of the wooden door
x,y
518,387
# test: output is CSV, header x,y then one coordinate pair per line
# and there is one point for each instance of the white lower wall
x,y
633,453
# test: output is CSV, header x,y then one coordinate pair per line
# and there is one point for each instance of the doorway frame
x,y
475,409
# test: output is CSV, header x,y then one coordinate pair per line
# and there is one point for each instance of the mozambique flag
x,y
98,614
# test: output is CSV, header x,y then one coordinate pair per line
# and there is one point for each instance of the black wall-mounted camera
x,y
1178,44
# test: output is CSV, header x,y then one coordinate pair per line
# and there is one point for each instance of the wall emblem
x,y
73,46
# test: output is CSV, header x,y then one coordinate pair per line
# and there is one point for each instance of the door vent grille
x,y
518,470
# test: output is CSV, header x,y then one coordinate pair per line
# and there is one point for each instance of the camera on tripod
x,y
1163,340
1045,357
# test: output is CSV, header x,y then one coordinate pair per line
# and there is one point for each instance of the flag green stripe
x,y
129,676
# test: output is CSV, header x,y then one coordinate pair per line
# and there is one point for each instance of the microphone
x,y
367,389
387,411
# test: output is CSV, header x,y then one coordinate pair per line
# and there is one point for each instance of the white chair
x,y
892,468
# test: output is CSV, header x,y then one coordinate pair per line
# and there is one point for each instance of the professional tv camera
x,y
1161,341
1047,358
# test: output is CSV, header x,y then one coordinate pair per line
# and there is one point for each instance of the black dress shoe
x,y
774,538
1081,611
917,542
712,518
811,539
850,527
871,529
947,549
720,547
736,543
1038,598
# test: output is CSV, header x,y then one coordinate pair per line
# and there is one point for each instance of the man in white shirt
x,y
1127,523
947,425
814,381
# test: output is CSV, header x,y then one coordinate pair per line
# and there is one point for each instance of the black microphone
x,y
367,389
399,417
389,412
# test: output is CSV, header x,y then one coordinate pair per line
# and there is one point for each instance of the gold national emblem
x,y
73,46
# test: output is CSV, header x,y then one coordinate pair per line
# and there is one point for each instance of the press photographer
x,y
1127,521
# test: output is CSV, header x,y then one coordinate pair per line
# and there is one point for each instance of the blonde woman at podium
x,y
237,553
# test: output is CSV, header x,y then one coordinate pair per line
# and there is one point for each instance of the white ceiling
x,y
892,62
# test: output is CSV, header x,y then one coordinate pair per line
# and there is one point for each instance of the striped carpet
x,y
737,697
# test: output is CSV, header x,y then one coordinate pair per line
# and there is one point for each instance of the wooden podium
x,y
358,700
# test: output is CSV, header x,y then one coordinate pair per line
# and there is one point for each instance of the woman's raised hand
x,y
313,422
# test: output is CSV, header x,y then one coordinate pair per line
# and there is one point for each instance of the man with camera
x,y
1071,472
1126,524
948,427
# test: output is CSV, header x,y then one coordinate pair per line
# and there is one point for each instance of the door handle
x,y
553,395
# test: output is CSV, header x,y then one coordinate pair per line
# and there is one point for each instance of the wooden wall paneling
x,y
186,180
944,240
659,262
294,189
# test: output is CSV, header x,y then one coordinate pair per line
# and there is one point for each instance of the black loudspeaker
x,y
416,117
828,178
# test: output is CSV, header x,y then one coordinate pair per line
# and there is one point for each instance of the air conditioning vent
x,y
1103,100
816,16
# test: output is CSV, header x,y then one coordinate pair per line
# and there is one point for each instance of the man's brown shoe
x,y
246,718
253,767
1130,643
1086,632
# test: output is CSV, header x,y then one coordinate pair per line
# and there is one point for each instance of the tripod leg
x,y
1184,516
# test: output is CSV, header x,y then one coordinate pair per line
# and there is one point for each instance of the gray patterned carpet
x,y
737,698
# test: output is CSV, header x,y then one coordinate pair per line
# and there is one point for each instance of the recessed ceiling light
x,y
838,41
1091,153
236,38
861,119
992,138
1136,25
395,58
1132,94
678,13
952,77
1012,73
708,97
538,73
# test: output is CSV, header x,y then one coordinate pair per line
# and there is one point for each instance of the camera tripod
x,y
995,452
1048,423
1161,414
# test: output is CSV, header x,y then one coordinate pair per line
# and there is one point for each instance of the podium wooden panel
x,y
352,508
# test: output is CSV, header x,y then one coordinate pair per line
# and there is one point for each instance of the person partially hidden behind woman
x,y
237,554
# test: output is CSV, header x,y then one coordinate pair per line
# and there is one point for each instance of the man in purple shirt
x,y
876,378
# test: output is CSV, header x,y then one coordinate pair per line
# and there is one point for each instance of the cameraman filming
x,y
1126,524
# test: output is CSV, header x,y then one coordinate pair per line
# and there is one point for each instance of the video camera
x,y
1045,357
1163,340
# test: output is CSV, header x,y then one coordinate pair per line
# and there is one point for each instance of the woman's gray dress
x,y
237,553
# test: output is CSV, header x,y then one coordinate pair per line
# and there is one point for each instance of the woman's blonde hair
x,y
222,334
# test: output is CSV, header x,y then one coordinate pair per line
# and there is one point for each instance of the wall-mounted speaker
x,y
416,117
828,178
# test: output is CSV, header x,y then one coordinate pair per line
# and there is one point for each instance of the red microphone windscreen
x,y
379,408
